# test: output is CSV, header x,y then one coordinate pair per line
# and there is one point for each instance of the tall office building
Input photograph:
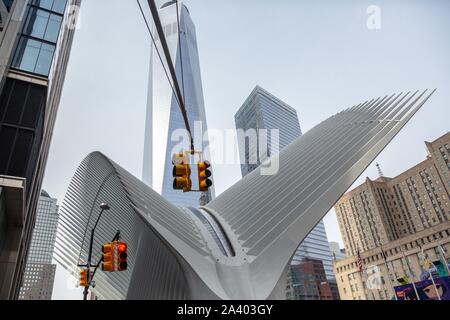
x,y
164,118
337,252
262,110
39,271
388,209
35,42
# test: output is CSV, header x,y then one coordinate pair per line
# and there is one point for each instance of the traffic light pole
x,y
104,207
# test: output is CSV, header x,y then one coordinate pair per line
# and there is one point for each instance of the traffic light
x,y
84,274
182,173
122,256
203,176
108,257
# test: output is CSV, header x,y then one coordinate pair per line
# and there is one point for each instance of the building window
x,y
40,33
51,5
34,56
43,25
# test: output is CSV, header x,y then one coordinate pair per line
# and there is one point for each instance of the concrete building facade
x,y
387,209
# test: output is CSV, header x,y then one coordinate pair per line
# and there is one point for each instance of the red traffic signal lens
x,y
122,247
122,256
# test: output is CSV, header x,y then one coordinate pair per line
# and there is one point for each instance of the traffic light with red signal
x,y
181,173
122,256
108,251
84,277
204,175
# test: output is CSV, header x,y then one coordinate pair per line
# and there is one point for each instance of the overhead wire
x,y
157,50
170,65
181,51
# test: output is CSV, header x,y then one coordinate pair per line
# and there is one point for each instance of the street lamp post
x,y
104,207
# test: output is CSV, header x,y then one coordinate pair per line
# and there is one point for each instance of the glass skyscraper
x,y
39,270
164,118
260,111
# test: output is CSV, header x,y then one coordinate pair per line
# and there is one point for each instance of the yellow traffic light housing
x,y
204,175
122,256
108,257
84,277
181,173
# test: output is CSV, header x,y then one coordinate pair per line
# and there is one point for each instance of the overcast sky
x,y
317,56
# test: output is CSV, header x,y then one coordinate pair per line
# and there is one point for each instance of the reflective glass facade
x,y
8,4
164,117
39,271
262,110
37,43
316,246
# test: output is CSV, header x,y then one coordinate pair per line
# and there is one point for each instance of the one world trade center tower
x,y
164,119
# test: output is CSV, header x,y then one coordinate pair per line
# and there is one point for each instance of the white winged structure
x,y
240,245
